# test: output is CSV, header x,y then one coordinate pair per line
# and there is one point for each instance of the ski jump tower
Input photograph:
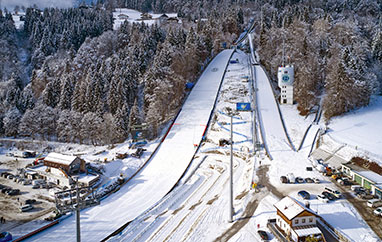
x,y
285,76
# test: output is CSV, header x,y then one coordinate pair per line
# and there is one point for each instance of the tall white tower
x,y
285,78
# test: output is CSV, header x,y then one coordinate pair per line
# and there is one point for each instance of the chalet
x,y
63,169
173,20
296,221
146,16
65,163
123,16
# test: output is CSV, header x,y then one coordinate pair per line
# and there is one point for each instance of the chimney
x,y
307,204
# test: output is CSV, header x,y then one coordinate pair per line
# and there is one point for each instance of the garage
x,y
358,179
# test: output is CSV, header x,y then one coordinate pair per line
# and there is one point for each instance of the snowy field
x,y
360,129
134,16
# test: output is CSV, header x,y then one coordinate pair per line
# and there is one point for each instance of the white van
x,y
374,203
333,191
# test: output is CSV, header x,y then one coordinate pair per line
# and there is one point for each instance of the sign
x,y
243,107
139,132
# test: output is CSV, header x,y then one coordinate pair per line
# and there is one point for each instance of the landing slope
x,y
160,174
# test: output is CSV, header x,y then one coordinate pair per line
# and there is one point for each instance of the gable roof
x,y
60,158
290,207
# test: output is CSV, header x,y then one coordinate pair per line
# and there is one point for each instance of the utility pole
x,y
76,205
78,213
231,210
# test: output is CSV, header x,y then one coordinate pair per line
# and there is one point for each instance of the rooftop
x,y
307,230
369,175
60,158
290,207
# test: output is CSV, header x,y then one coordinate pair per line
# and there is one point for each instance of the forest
x,y
68,76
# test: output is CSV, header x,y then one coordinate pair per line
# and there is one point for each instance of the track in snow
x,y
188,211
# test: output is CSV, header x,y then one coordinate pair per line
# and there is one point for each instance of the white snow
x,y
133,16
360,129
289,207
197,210
160,174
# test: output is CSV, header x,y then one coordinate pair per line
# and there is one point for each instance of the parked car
x,y
299,180
30,201
378,211
36,186
304,194
374,203
5,190
322,198
329,196
309,180
26,208
364,195
333,191
344,181
263,235
316,180
13,192
5,237
355,187
283,179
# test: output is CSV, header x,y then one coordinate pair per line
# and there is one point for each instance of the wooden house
x,y
296,221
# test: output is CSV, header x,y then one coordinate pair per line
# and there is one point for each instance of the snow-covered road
x,y
160,174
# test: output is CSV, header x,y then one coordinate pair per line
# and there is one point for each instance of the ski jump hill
x,y
160,174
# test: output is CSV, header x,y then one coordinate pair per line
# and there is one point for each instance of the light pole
x,y
231,210
78,213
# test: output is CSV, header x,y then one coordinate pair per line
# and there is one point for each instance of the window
x,y
310,220
303,221
296,221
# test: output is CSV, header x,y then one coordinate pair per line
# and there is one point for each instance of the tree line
x,y
93,87
335,47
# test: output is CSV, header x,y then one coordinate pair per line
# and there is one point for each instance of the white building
x,y
296,221
285,78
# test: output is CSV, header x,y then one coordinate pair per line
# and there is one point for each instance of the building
x,y
285,76
296,221
69,164
366,178
64,169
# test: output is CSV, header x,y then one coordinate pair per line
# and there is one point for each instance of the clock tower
x,y
285,76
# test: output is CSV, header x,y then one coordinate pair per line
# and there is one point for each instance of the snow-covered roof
x,y
301,232
60,158
370,175
320,154
290,207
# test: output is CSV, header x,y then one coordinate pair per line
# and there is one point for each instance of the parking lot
x,y
10,205
366,212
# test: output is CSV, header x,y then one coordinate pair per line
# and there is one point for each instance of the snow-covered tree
x,y
11,122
